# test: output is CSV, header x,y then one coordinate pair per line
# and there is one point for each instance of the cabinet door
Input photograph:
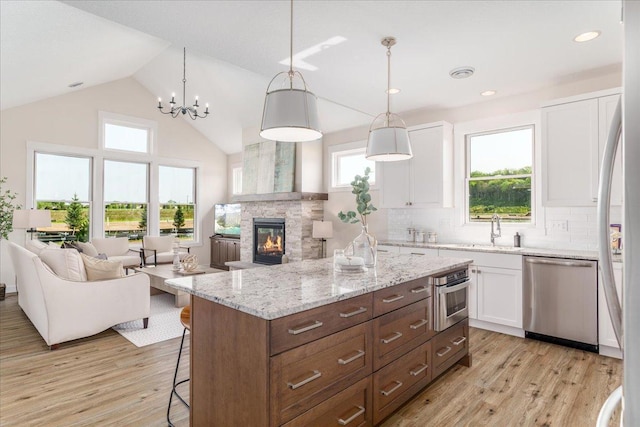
x,y
215,252
395,184
431,167
473,292
569,133
500,296
606,107
230,254
236,254
606,336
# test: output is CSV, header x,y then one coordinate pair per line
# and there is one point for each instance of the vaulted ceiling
x,y
234,48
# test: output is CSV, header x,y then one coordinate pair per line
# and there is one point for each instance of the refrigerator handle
x,y
604,240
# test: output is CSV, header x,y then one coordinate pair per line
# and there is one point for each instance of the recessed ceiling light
x,y
488,93
392,91
462,72
76,84
585,37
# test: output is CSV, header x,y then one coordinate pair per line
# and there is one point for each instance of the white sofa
x,y
63,310
117,249
159,249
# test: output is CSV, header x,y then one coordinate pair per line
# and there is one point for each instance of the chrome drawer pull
x,y
382,250
459,341
342,361
314,325
353,313
393,338
442,353
352,417
419,370
416,253
393,298
418,290
419,325
315,376
394,388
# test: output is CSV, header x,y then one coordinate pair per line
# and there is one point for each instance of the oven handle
x,y
443,290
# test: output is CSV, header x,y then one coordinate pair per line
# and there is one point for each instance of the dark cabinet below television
x,y
224,249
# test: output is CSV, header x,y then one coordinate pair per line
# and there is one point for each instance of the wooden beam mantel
x,y
272,197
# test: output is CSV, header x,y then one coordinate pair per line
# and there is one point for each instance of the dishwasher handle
x,y
558,262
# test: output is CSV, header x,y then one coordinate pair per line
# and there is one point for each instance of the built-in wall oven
x,y
451,298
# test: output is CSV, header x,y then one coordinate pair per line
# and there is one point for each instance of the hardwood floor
x,y
105,380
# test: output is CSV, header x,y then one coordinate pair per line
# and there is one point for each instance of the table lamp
x,y
31,219
322,230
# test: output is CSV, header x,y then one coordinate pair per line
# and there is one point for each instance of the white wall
x,y
392,223
72,120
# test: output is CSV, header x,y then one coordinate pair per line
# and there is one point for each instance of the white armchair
x,y
117,249
159,249
63,310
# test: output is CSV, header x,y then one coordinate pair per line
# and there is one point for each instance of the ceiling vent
x,y
462,72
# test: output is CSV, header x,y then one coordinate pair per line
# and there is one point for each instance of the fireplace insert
x,y
268,240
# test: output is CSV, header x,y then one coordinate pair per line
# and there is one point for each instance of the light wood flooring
x,y
105,380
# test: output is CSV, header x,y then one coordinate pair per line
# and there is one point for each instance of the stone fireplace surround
x,y
299,210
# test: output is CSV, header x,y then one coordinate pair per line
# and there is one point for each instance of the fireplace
x,y
268,240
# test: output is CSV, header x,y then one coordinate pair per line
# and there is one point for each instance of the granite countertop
x,y
555,253
280,290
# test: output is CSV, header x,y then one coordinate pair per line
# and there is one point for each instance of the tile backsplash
x,y
557,228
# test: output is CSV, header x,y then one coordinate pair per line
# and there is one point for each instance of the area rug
x,y
164,323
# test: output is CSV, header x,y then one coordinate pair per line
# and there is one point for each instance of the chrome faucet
x,y
495,219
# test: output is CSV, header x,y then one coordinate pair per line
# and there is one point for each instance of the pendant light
x,y
388,135
290,114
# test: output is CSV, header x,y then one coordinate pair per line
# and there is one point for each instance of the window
x,y
63,186
177,189
346,164
499,174
237,180
125,199
123,133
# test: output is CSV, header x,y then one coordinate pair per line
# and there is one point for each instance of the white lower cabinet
x,y
500,296
495,294
606,336
419,251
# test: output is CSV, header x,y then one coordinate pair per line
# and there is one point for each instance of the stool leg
x,y
175,384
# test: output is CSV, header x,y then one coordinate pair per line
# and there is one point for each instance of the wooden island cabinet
x,y
349,361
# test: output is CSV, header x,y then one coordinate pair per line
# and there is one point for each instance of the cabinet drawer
x,y
305,376
300,328
398,332
450,346
394,297
399,381
352,407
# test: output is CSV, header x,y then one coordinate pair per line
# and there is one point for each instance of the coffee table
x,y
159,273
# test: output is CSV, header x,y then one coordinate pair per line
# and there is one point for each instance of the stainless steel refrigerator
x,y
625,318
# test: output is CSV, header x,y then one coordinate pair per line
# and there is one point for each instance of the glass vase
x,y
366,246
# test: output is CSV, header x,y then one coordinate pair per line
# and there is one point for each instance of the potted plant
x,y
7,207
365,245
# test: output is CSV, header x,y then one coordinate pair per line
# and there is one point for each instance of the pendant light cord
x,y
184,76
388,80
291,48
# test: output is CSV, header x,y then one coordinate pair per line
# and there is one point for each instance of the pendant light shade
x,y
388,136
290,111
290,114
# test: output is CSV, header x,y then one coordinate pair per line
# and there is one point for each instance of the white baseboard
x,y
11,289
605,350
509,330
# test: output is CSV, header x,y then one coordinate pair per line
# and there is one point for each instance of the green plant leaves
x,y
360,187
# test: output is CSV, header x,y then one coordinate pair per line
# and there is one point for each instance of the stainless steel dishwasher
x,y
560,301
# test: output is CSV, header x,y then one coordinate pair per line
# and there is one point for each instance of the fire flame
x,y
271,246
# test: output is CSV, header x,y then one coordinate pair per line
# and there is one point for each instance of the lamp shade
x,y
387,144
290,115
322,229
31,218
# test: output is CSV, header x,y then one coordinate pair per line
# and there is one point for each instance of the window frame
x,y
335,152
196,216
105,118
468,178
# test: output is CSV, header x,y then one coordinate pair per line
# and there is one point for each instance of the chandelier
x,y
290,114
184,109
388,136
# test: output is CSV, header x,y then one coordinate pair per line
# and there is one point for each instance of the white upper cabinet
x,y
573,138
606,108
426,180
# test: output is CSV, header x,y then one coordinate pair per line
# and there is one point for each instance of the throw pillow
x,y
100,269
65,263
53,245
35,246
88,248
